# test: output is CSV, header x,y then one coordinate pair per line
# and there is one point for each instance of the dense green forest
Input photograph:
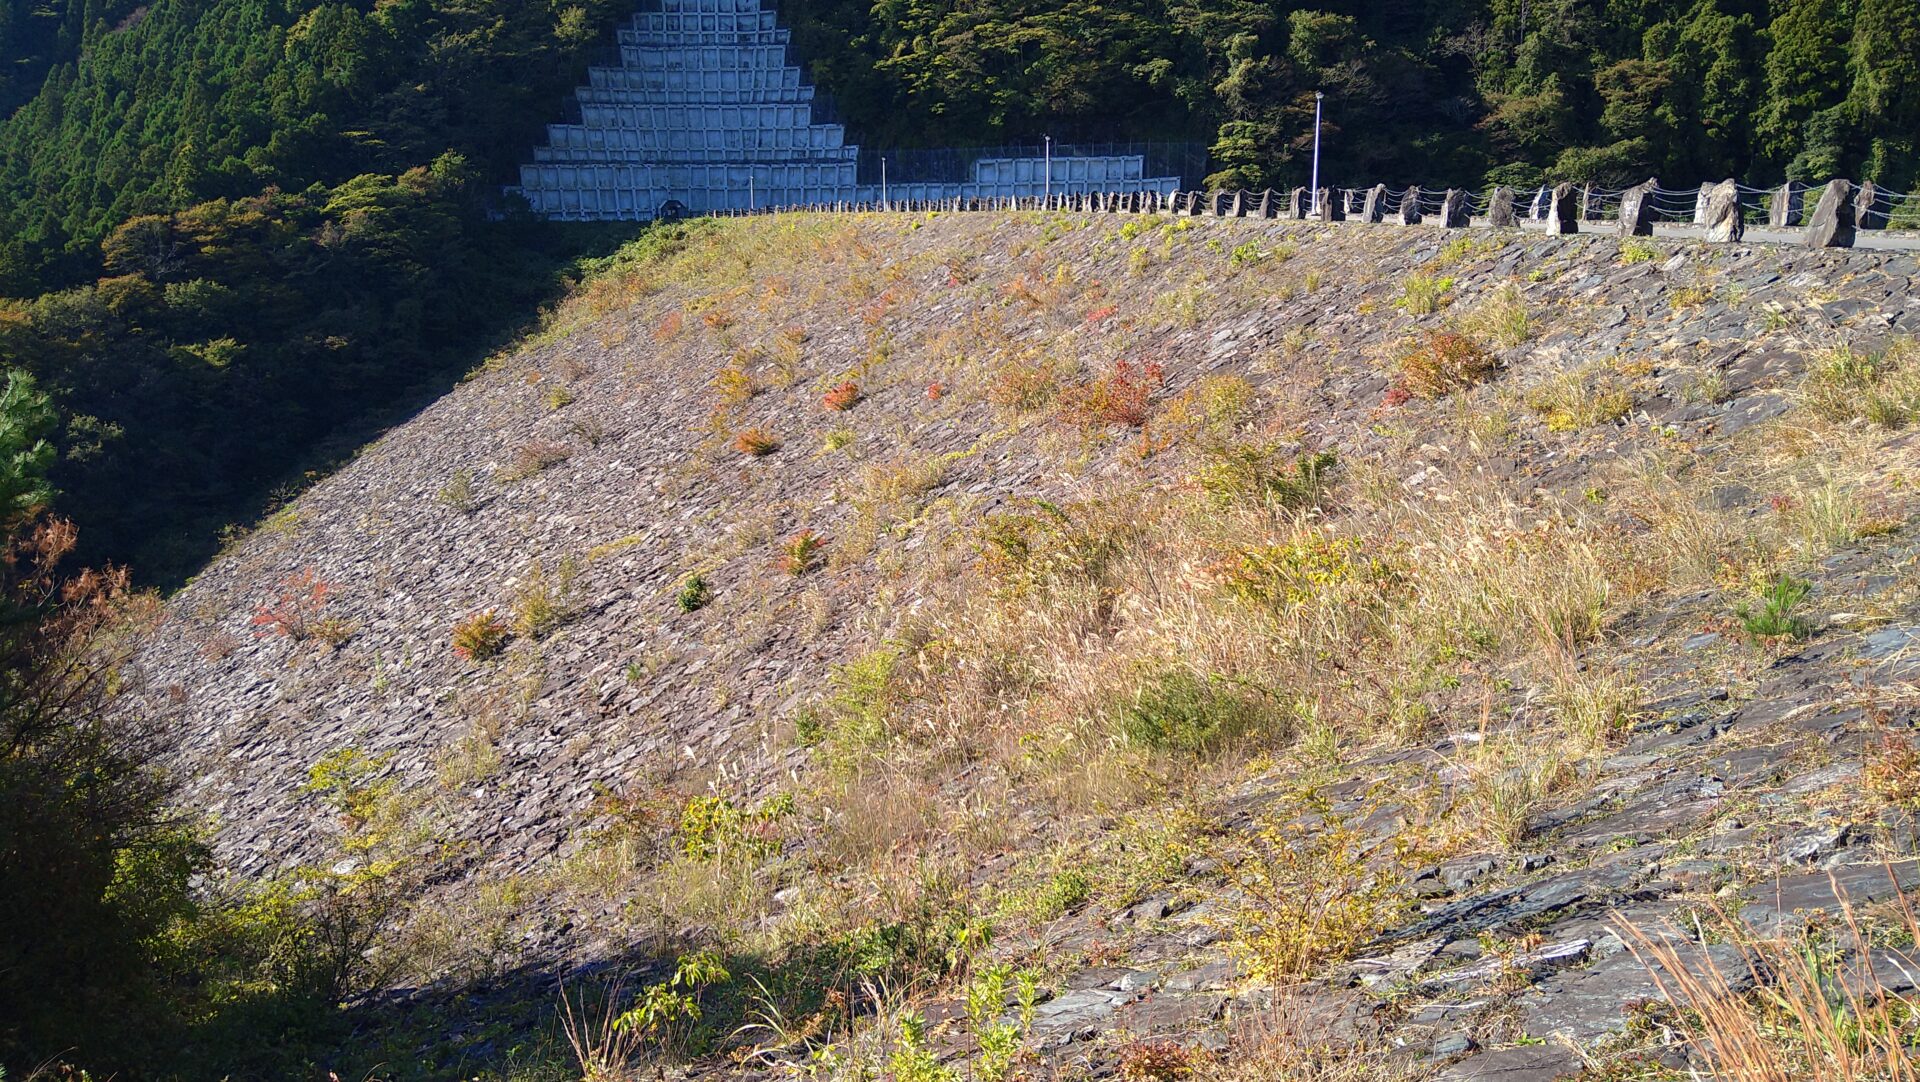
x,y
239,229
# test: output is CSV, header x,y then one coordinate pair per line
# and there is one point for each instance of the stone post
x,y
1723,221
1636,209
1500,208
1832,223
1410,206
1561,213
1196,203
1238,208
1216,204
1371,210
1329,210
1538,209
1867,213
1265,208
1453,209
1700,204
1297,204
1785,211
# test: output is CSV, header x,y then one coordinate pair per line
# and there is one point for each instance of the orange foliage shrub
x,y
843,397
1119,397
756,442
296,608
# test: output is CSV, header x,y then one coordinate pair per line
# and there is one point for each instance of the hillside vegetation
x,y
959,646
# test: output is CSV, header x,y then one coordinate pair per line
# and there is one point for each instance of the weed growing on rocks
x,y
1636,250
694,594
297,608
534,456
1442,362
1264,474
480,636
1119,396
544,601
1501,318
1423,294
1179,710
1587,396
800,553
842,397
1881,387
756,442
1308,897
1772,616
458,493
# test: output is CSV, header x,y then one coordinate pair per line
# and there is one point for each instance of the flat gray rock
x,y
1526,1063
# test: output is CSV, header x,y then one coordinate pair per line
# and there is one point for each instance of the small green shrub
x,y
1774,617
1263,472
458,492
694,594
801,553
1423,294
1179,710
544,601
1635,250
715,828
1309,895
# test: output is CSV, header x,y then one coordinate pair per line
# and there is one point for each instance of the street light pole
x,y
1316,153
883,183
1046,182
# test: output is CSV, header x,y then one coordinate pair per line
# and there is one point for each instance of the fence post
x,y
1297,204
1453,209
1371,210
1410,206
1866,208
1500,208
1329,210
1832,222
1636,209
1562,216
1700,204
1723,221
1785,212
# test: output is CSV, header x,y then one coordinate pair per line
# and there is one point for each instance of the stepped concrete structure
x,y
705,110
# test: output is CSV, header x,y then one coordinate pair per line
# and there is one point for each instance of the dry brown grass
x,y
1817,1015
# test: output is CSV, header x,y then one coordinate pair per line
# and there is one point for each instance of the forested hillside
x,y
362,139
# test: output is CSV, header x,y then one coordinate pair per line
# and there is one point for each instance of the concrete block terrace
x,y
705,112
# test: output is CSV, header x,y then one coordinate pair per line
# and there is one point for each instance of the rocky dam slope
x,y
1085,644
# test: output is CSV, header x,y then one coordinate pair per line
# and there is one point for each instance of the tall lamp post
x,y
1317,96
1046,176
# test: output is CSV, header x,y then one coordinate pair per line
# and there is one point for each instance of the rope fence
x,y
1829,215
